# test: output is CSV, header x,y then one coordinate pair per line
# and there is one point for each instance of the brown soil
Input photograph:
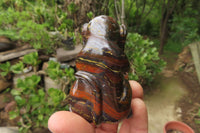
x,y
183,67
190,103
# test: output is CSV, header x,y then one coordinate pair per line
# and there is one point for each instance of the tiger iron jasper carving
x,y
101,93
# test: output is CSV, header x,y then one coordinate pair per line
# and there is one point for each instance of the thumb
x,y
138,123
68,122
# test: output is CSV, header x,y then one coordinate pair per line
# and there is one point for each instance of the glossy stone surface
x,y
101,93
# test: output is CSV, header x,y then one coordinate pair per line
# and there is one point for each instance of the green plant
x,y
20,26
185,26
33,105
90,15
72,8
143,58
17,68
65,77
32,59
173,45
33,21
5,67
53,70
197,117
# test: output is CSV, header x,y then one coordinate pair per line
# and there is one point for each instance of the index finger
x,y
137,90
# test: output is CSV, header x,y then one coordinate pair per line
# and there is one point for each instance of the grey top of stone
x,y
9,130
66,55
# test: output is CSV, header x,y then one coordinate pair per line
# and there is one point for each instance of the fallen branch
x,y
8,55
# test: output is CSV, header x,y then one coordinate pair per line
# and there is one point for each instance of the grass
x,y
173,46
170,46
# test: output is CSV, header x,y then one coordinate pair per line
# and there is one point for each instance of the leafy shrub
x,y
32,59
5,67
30,22
65,77
185,27
33,105
90,15
143,58
19,67
20,26
72,8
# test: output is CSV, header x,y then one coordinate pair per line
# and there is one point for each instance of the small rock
x,y
23,111
178,110
6,44
4,85
66,55
50,83
21,76
9,130
4,115
4,99
45,65
10,106
2,103
4,39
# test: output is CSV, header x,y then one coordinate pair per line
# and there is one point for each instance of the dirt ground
x,y
183,67
190,102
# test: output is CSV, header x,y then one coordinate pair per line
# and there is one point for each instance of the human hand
x,y
69,122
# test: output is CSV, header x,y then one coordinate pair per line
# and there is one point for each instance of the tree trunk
x,y
167,11
163,32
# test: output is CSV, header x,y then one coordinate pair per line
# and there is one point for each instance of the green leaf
x,y
15,92
31,59
41,92
28,107
40,117
199,112
72,7
4,74
5,67
17,68
70,73
143,57
34,98
20,101
54,71
21,84
13,114
56,96
90,15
